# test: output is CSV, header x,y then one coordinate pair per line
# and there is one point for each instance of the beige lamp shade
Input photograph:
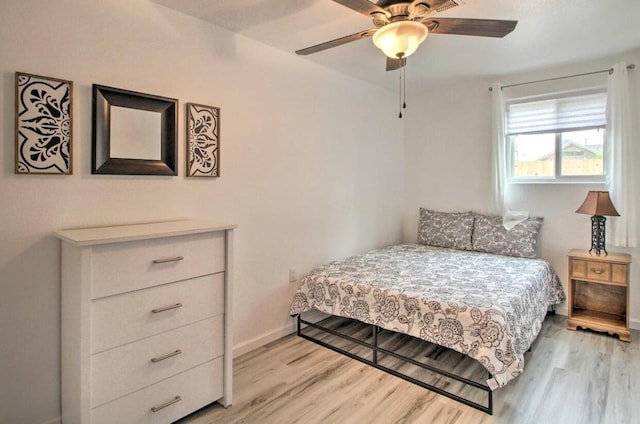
x,y
598,203
400,39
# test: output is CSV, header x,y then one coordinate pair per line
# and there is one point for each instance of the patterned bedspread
x,y
486,306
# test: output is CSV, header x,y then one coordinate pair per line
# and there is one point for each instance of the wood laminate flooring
x,y
570,377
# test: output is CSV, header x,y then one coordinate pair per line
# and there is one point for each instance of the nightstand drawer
x,y
619,274
598,271
590,270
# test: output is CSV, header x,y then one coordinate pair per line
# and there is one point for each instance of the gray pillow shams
x,y
490,236
445,229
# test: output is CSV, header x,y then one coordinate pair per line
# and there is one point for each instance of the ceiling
x,y
549,33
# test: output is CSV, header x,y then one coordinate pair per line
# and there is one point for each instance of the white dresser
x,y
146,320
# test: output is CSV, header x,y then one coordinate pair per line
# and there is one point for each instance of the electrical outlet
x,y
292,275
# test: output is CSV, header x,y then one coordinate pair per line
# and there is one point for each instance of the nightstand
x,y
599,293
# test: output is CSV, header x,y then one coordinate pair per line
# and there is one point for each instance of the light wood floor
x,y
570,377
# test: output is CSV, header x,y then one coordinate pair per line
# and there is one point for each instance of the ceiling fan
x,y
402,25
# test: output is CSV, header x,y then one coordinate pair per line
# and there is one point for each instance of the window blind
x,y
559,114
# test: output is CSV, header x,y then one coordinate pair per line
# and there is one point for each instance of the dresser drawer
x,y
196,388
128,368
123,267
591,270
124,318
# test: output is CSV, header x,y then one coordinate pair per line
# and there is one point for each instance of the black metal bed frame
x,y
488,408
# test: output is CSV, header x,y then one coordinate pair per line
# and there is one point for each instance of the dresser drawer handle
x,y
166,308
167,356
597,271
164,405
164,261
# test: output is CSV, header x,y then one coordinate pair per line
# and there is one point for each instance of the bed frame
x,y
377,352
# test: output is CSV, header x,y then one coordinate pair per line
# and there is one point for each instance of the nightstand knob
x,y
597,270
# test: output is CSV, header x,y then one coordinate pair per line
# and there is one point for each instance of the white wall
x,y
448,163
311,169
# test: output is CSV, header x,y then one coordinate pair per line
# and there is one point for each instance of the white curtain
x,y
498,203
498,154
621,179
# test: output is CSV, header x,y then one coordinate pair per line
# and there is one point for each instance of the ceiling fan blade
x,y
393,64
337,42
364,6
474,27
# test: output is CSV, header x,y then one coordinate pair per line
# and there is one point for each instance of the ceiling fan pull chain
x,y
400,93
404,87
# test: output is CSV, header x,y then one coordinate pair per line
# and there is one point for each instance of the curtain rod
x,y
610,71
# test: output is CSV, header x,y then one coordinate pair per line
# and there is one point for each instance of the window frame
x,y
557,178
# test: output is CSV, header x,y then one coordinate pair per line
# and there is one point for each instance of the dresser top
x,y
121,233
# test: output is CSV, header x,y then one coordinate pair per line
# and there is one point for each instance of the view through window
x,y
569,153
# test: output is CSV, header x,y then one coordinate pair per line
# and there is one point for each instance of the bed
x,y
468,297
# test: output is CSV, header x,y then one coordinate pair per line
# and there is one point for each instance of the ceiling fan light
x,y
400,39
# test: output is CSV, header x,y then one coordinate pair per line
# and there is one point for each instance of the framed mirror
x,y
133,133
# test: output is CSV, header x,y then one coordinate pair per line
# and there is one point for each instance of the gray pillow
x,y
490,236
445,229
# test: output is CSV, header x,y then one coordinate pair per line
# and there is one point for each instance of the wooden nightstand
x,y
599,293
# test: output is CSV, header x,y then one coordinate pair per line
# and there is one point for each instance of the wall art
x,y
44,109
203,141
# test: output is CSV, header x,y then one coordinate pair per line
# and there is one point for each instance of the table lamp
x,y
598,204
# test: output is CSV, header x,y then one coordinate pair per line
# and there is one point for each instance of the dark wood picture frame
x,y
103,162
44,125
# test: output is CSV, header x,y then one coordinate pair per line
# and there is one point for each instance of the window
x,y
557,138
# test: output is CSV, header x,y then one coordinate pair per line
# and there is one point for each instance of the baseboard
x,y
562,310
262,340
54,421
